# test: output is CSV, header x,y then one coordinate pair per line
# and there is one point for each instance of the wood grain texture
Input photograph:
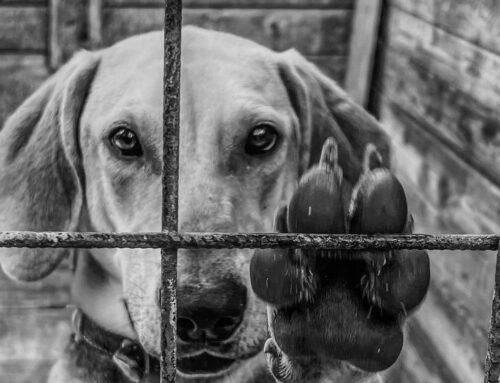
x,y
24,3
476,21
20,75
450,83
449,357
33,334
311,32
23,29
240,4
446,194
465,201
363,40
25,371
30,342
51,292
94,23
67,29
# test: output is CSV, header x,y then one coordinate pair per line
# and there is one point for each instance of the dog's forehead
x,y
130,70
229,60
133,68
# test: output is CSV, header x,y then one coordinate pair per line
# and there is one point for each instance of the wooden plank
x,y
446,195
364,38
462,279
441,346
472,20
467,201
315,32
30,343
311,31
451,84
23,28
240,4
23,3
455,118
25,370
411,367
94,16
20,75
53,291
33,334
464,65
67,30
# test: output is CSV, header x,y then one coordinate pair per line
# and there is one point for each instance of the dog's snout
x,y
210,314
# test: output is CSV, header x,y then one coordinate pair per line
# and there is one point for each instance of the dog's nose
x,y
210,314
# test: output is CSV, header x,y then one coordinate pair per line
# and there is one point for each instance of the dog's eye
x,y
261,139
126,142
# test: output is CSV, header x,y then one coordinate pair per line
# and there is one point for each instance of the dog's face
x,y
251,122
238,160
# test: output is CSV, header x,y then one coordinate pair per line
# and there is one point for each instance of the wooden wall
x,y
36,36
437,91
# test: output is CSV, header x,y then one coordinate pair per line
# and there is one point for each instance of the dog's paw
x,y
284,369
343,308
394,281
337,326
283,277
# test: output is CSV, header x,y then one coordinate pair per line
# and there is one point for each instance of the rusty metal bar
x,y
171,109
492,365
174,240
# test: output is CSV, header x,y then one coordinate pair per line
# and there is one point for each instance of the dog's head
x,y
85,153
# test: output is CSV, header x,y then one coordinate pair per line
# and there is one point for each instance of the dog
x,y
84,153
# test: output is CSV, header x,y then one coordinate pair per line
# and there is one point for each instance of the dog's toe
x,y
281,366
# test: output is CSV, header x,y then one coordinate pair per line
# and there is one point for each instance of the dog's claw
x,y
280,365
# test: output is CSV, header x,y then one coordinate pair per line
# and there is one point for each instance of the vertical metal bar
x,y
171,88
492,365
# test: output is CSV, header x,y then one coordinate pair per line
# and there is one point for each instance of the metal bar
x,y
492,365
174,240
171,109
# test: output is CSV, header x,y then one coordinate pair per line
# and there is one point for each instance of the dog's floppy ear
x,y
325,110
40,174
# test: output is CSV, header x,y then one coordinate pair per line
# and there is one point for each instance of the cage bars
x,y
492,365
169,240
171,100
176,240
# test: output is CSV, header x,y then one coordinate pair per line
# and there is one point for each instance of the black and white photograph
x,y
249,191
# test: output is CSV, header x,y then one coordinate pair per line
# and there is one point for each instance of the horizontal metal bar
x,y
175,240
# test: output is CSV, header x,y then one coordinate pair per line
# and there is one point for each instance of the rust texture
x,y
174,240
171,109
492,366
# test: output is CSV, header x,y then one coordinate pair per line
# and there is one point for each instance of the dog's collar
x,y
129,356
